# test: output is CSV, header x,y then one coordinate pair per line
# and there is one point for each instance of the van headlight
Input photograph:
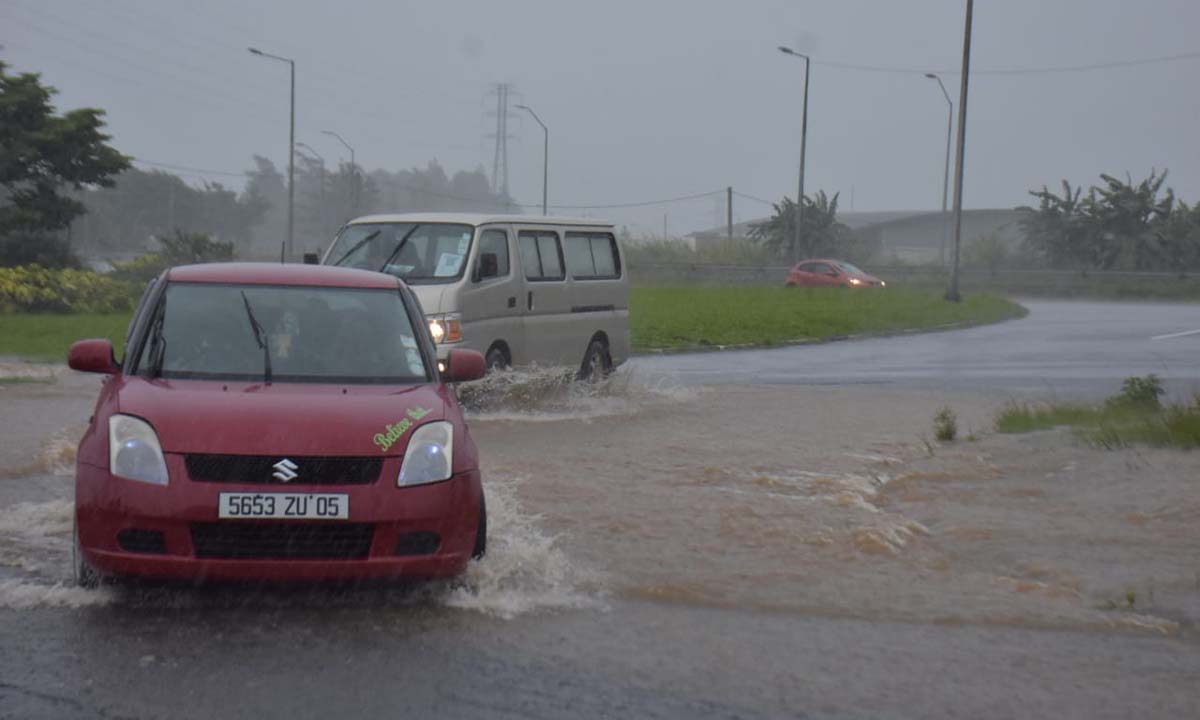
x,y
134,452
446,328
429,456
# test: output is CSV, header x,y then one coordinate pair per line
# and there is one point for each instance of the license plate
x,y
300,506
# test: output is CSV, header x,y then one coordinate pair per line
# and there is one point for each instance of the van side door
x,y
547,302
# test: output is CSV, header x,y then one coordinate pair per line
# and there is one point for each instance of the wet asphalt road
x,y
1075,349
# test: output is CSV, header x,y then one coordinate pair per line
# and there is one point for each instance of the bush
x,y
1138,393
945,425
37,289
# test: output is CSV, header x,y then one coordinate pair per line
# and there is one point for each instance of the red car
x,y
277,423
830,273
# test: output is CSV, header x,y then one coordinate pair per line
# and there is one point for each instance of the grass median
x,y
696,318
660,318
47,337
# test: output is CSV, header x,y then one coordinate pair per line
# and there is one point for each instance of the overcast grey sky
x,y
645,99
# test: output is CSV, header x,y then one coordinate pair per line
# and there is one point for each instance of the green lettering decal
x,y
394,431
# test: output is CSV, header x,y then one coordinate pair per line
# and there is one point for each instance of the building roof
x,y
262,273
478,219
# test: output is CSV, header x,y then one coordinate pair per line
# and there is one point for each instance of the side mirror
x,y
312,258
489,266
463,366
834,273
93,356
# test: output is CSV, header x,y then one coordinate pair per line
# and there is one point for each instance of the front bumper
x,y
107,506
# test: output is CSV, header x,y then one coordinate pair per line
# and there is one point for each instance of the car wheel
x,y
85,575
496,360
481,532
597,363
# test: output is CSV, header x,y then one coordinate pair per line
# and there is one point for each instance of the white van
x,y
519,289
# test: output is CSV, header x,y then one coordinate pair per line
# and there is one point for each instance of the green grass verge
x,y
1111,425
678,318
48,337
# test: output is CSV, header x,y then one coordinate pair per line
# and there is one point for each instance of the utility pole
x,y
803,145
288,247
545,153
729,214
946,173
952,293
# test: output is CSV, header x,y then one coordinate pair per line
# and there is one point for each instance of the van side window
x,y
540,255
592,256
496,242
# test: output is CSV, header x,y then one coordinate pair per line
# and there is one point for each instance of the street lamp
x,y
952,292
803,143
545,152
946,173
321,194
353,169
291,147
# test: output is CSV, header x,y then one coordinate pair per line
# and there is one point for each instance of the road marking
x,y
1175,335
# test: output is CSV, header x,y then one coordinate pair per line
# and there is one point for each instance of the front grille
x,y
149,542
277,541
262,470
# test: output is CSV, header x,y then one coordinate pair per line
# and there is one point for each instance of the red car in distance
x,y
276,423
830,273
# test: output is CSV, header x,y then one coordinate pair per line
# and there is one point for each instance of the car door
x,y
491,304
546,306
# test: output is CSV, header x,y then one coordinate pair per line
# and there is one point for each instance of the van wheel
x,y
496,359
85,575
597,363
481,532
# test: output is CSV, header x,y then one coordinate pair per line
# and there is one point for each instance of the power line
x,y
1044,70
645,203
185,168
744,196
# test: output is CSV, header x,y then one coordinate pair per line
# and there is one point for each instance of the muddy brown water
x,y
827,501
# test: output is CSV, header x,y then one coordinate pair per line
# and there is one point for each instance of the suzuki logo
x,y
285,470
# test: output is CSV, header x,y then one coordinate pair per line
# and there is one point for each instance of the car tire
x,y
496,359
480,548
597,363
84,574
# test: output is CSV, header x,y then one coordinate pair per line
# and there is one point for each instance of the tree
x,y
988,250
1178,236
1057,232
1122,215
41,155
820,233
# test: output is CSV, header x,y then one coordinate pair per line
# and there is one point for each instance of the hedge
x,y
32,288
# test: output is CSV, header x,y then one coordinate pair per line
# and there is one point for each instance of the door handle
x,y
512,301
529,300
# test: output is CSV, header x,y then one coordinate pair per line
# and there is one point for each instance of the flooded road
x,y
660,549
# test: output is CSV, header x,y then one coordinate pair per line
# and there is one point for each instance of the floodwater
x,y
832,502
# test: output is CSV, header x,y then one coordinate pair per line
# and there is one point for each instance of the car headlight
x,y
134,452
446,328
855,281
429,455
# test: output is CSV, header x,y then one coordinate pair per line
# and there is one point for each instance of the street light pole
x,y
803,147
321,193
353,171
946,172
545,152
952,292
291,149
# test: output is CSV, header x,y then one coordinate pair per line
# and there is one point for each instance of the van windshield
x,y
415,252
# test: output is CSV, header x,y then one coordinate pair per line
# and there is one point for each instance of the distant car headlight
x,y
855,281
882,284
429,456
134,452
445,328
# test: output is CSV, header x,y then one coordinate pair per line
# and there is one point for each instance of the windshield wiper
x,y
399,247
258,338
370,236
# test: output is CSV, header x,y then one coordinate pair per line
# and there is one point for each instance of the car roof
x,y
264,273
478,219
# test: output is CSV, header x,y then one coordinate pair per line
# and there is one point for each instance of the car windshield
x,y
850,269
416,252
312,334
